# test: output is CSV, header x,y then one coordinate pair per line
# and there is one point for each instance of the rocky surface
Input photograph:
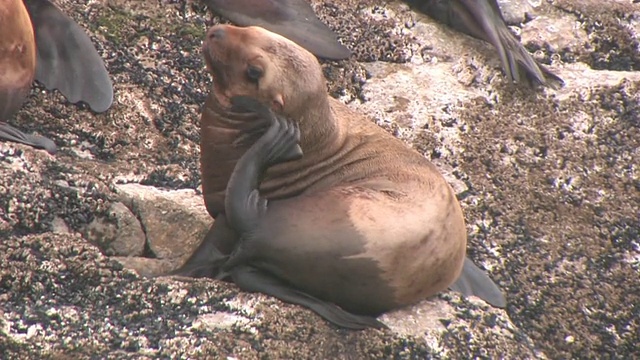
x,y
548,180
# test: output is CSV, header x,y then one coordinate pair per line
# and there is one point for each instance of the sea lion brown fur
x,y
360,221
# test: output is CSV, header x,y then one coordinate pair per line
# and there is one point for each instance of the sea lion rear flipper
x,y
293,19
8,132
474,281
210,255
483,19
253,280
243,205
67,59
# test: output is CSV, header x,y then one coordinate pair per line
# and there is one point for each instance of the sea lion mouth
x,y
215,68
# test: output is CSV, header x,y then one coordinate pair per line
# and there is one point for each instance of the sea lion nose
x,y
216,32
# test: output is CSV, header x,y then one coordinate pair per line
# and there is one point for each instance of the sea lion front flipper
x,y
67,59
475,281
293,19
253,280
8,132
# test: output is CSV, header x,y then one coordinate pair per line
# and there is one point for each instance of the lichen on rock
x,y
548,181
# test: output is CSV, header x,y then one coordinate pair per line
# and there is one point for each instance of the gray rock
x,y
514,11
547,181
119,234
174,221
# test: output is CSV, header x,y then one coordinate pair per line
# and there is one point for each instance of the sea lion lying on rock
x,y
360,221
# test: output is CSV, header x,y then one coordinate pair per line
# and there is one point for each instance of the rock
x,y
174,222
119,234
145,266
515,11
547,180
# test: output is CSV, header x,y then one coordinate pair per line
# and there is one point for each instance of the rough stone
x,y
548,181
119,234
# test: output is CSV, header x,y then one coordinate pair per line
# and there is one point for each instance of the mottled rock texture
x,y
549,182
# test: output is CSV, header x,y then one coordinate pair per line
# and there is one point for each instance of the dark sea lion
x,y
17,68
483,19
293,19
361,221
60,55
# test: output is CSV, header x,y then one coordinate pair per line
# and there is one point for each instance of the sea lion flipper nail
x,y
293,19
67,59
254,280
475,281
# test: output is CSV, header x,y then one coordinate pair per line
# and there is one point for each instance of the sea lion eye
x,y
254,73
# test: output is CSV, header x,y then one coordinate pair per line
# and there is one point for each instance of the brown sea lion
x,y
483,19
17,69
360,221
60,55
293,19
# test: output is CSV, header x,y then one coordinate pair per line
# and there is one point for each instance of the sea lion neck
x,y
319,129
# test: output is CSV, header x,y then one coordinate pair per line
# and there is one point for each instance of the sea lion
x,y
483,20
293,19
39,41
17,68
359,225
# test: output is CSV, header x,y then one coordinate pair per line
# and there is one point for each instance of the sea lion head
x,y
257,63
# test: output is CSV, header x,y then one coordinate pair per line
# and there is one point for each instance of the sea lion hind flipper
x,y
475,281
8,132
243,205
517,62
253,280
210,255
67,59
483,20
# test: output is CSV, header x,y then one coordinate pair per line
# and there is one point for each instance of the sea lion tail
x,y
474,281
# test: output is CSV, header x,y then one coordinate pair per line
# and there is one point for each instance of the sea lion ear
x,y
278,103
